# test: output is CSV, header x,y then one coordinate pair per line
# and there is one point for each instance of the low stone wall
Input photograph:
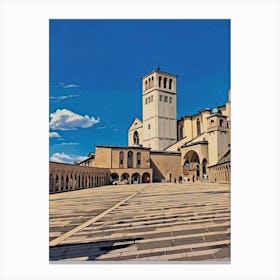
x,y
66,177
220,172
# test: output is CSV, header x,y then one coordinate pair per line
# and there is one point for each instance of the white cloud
x,y
71,86
60,84
64,119
68,144
54,135
63,97
65,158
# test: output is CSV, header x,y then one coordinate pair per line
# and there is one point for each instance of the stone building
x,y
160,147
200,139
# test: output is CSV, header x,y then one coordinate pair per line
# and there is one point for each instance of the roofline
x,y
159,71
123,147
165,152
204,142
219,163
133,122
199,112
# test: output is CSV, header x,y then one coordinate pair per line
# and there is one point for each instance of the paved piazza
x,y
146,222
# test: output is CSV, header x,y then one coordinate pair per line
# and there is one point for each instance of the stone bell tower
x,y
159,110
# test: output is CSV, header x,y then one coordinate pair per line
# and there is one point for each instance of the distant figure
x,y
174,180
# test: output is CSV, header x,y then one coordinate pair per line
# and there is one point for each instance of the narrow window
x,y
146,85
149,126
149,83
170,99
159,81
221,122
160,98
121,159
170,84
130,160
152,98
164,82
198,127
138,159
165,98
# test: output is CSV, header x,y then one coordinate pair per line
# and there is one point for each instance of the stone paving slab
x,y
152,222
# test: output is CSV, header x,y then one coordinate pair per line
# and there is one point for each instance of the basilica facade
x,y
201,139
161,148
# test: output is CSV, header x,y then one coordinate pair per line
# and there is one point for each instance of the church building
x,y
160,147
202,139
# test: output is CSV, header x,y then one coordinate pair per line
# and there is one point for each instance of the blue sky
x,y
96,68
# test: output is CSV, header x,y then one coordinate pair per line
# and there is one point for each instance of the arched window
x,y
170,83
67,182
198,127
56,183
129,159
180,134
51,183
149,84
152,84
165,82
121,159
146,85
159,81
136,138
138,159
62,183
221,122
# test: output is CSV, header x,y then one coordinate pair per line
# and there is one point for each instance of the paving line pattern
x,y
180,222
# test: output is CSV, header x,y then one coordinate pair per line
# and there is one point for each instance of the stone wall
x,y
66,177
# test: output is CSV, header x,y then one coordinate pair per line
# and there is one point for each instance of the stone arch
x,y
146,177
125,177
135,178
136,138
51,182
67,182
191,167
114,177
62,182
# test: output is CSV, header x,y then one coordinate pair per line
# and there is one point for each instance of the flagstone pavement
x,y
138,223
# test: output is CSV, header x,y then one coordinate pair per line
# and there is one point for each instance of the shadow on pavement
x,y
92,250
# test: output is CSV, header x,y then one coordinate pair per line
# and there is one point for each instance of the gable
x,y
135,124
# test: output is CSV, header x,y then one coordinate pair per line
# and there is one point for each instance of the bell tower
x,y
159,110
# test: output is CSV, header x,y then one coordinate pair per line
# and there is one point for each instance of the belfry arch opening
x,y
136,138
